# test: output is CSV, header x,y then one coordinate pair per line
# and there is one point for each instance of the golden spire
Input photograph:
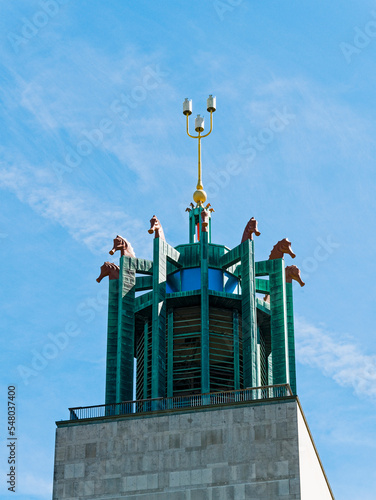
x,y
199,196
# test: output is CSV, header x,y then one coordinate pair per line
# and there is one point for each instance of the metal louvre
x,y
241,353
140,351
143,382
265,350
186,351
221,349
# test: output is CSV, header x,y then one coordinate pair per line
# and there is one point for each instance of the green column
x,y
205,375
125,330
278,322
191,228
158,354
170,353
146,357
258,359
270,372
249,313
235,329
291,336
112,334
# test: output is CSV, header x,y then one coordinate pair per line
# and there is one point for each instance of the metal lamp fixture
x,y
199,195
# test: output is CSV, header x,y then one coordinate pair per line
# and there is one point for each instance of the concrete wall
x,y
245,452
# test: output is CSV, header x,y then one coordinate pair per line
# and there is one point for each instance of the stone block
x,y
91,450
280,412
68,489
184,478
60,454
281,430
207,476
59,472
112,485
79,470
70,452
282,468
142,482
283,488
174,440
200,494
88,488
196,477
152,481
69,471
174,479
221,474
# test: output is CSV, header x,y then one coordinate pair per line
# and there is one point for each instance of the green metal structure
x,y
195,321
193,317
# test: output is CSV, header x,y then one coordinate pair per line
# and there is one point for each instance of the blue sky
x,y
93,144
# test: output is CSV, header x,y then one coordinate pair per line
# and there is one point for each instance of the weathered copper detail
x,y
188,209
293,273
123,245
204,221
156,227
282,247
192,205
250,228
109,269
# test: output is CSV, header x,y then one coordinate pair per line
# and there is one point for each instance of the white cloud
x,y
85,218
342,361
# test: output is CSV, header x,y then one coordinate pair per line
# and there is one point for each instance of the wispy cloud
x,y
343,361
85,217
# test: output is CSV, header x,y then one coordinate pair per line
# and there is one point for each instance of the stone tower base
x,y
260,450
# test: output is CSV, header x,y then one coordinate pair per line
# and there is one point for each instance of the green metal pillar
x,y
170,353
270,368
112,334
205,375
278,322
291,336
235,329
249,313
158,346
146,356
258,358
125,331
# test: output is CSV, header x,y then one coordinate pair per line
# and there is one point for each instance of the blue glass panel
x,y
173,282
190,279
231,284
216,280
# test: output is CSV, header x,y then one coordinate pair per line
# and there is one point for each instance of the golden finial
x,y
199,196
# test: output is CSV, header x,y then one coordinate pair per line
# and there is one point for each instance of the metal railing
x,y
181,402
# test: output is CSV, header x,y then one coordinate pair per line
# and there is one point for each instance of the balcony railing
x,y
181,402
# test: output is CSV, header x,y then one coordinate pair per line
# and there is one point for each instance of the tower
x,y
216,413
